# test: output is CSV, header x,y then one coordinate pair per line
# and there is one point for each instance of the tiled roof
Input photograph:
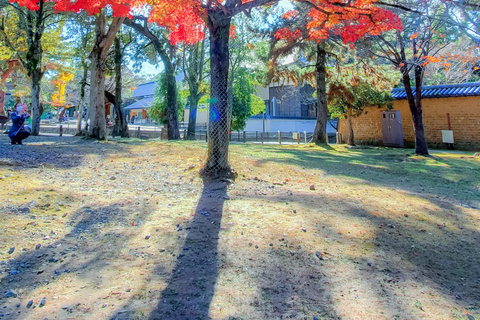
x,y
144,90
443,91
145,103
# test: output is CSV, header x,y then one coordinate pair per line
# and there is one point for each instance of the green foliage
x,y
158,111
248,69
357,96
357,83
245,103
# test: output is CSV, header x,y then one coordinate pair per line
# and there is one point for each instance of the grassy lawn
x,y
128,230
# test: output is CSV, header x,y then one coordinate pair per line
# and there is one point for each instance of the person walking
x,y
18,131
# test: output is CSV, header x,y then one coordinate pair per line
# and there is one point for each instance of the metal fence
x,y
262,137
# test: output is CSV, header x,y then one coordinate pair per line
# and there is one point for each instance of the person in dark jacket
x,y
17,132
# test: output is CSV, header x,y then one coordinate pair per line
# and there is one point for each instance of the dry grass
x,y
398,234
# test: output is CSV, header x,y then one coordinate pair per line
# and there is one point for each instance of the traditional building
x,y
451,114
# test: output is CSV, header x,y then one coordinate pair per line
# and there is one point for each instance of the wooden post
x,y
298,138
279,137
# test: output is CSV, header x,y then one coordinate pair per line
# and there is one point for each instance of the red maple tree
x,y
309,25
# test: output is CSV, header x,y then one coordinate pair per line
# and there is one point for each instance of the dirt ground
x,y
128,230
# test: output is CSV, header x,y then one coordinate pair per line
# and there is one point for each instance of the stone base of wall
x,y
467,146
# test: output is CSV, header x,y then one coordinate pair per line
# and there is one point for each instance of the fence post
x,y
206,135
305,133
279,137
184,134
138,132
298,138
256,136
261,134
60,131
244,137
267,136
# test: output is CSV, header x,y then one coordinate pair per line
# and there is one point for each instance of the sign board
x,y
447,136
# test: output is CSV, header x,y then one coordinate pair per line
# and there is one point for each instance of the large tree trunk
x,y
218,126
351,137
98,56
171,83
172,106
35,78
120,127
415,104
319,133
2,103
97,128
83,84
192,117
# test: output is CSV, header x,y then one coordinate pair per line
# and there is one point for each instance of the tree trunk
x,y
97,128
103,40
120,127
351,138
35,78
171,83
415,104
192,117
319,133
83,84
172,106
218,126
2,103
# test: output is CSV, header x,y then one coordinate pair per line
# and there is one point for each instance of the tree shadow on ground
x,y
56,152
94,239
191,285
406,253
434,177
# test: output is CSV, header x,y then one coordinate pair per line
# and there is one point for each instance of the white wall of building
x,y
283,125
202,116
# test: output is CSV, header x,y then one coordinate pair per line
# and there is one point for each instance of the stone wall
x,y
464,119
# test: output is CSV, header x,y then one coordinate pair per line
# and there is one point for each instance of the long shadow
x,y
446,178
444,258
48,263
191,286
56,152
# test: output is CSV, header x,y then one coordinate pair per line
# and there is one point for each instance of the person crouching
x,y
18,130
